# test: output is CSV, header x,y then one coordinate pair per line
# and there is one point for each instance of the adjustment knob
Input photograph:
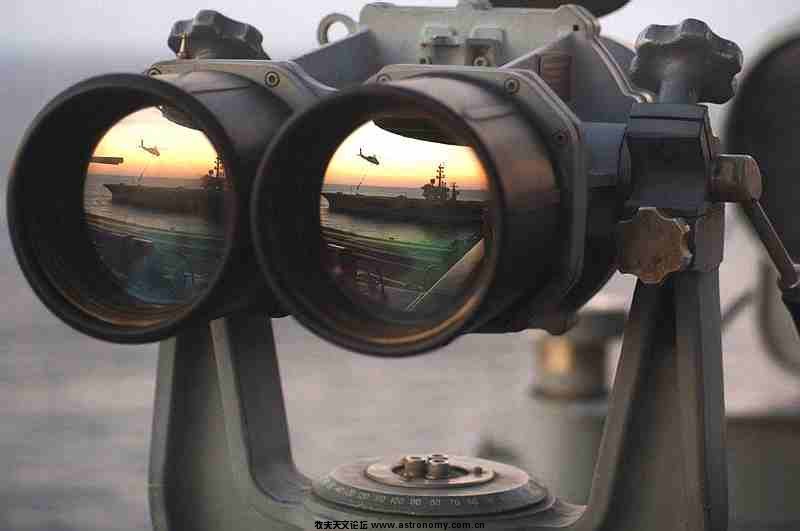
x,y
687,63
211,35
652,245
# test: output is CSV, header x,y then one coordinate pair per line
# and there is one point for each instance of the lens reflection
x,y
154,202
404,220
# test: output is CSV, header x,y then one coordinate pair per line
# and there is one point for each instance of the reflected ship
x,y
159,264
207,201
440,203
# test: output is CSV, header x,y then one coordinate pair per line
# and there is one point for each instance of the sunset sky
x,y
185,153
404,162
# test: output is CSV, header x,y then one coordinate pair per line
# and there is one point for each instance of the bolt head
x,y
438,469
511,85
272,79
414,467
561,138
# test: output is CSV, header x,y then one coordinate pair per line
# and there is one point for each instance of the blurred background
x,y
75,413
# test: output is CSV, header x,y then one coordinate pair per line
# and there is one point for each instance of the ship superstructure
x,y
439,204
207,201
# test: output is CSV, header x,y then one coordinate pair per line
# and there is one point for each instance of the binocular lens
x,y
126,202
403,218
155,208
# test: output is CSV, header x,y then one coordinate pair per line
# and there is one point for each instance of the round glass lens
x,y
155,207
404,217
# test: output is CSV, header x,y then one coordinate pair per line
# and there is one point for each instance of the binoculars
x,y
483,168
391,197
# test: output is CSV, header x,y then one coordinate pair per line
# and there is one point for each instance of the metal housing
x,y
524,217
48,231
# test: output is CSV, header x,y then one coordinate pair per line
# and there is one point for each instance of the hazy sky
x,y
47,45
403,162
183,153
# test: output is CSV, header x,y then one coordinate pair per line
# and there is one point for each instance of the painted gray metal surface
x,y
213,446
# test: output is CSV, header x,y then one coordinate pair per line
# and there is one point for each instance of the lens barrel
x,y
521,225
70,245
764,122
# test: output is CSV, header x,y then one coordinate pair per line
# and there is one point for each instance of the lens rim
x,y
751,126
99,102
320,305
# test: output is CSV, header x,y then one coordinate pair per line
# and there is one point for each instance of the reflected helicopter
x,y
153,150
369,158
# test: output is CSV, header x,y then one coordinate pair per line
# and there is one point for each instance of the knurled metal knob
x,y
653,245
211,35
686,63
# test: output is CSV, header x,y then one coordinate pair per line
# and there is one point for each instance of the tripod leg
x,y
220,455
661,464
700,384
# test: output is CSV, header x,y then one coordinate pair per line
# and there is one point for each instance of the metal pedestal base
x,y
221,457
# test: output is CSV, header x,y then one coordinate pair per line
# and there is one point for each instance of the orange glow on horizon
x,y
404,162
184,153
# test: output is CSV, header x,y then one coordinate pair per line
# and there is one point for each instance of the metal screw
x,y
384,78
561,138
481,60
438,469
272,79
736,178
414,467
183,51
511,85
154,72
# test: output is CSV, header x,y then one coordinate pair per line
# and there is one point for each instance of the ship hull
x,y
406,209
181,200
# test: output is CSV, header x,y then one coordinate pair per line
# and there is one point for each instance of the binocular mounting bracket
x,y
221,455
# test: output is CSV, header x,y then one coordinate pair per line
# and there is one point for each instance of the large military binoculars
x,y
393,196
409,183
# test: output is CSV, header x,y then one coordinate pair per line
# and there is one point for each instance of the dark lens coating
x,y
155,208
404,219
